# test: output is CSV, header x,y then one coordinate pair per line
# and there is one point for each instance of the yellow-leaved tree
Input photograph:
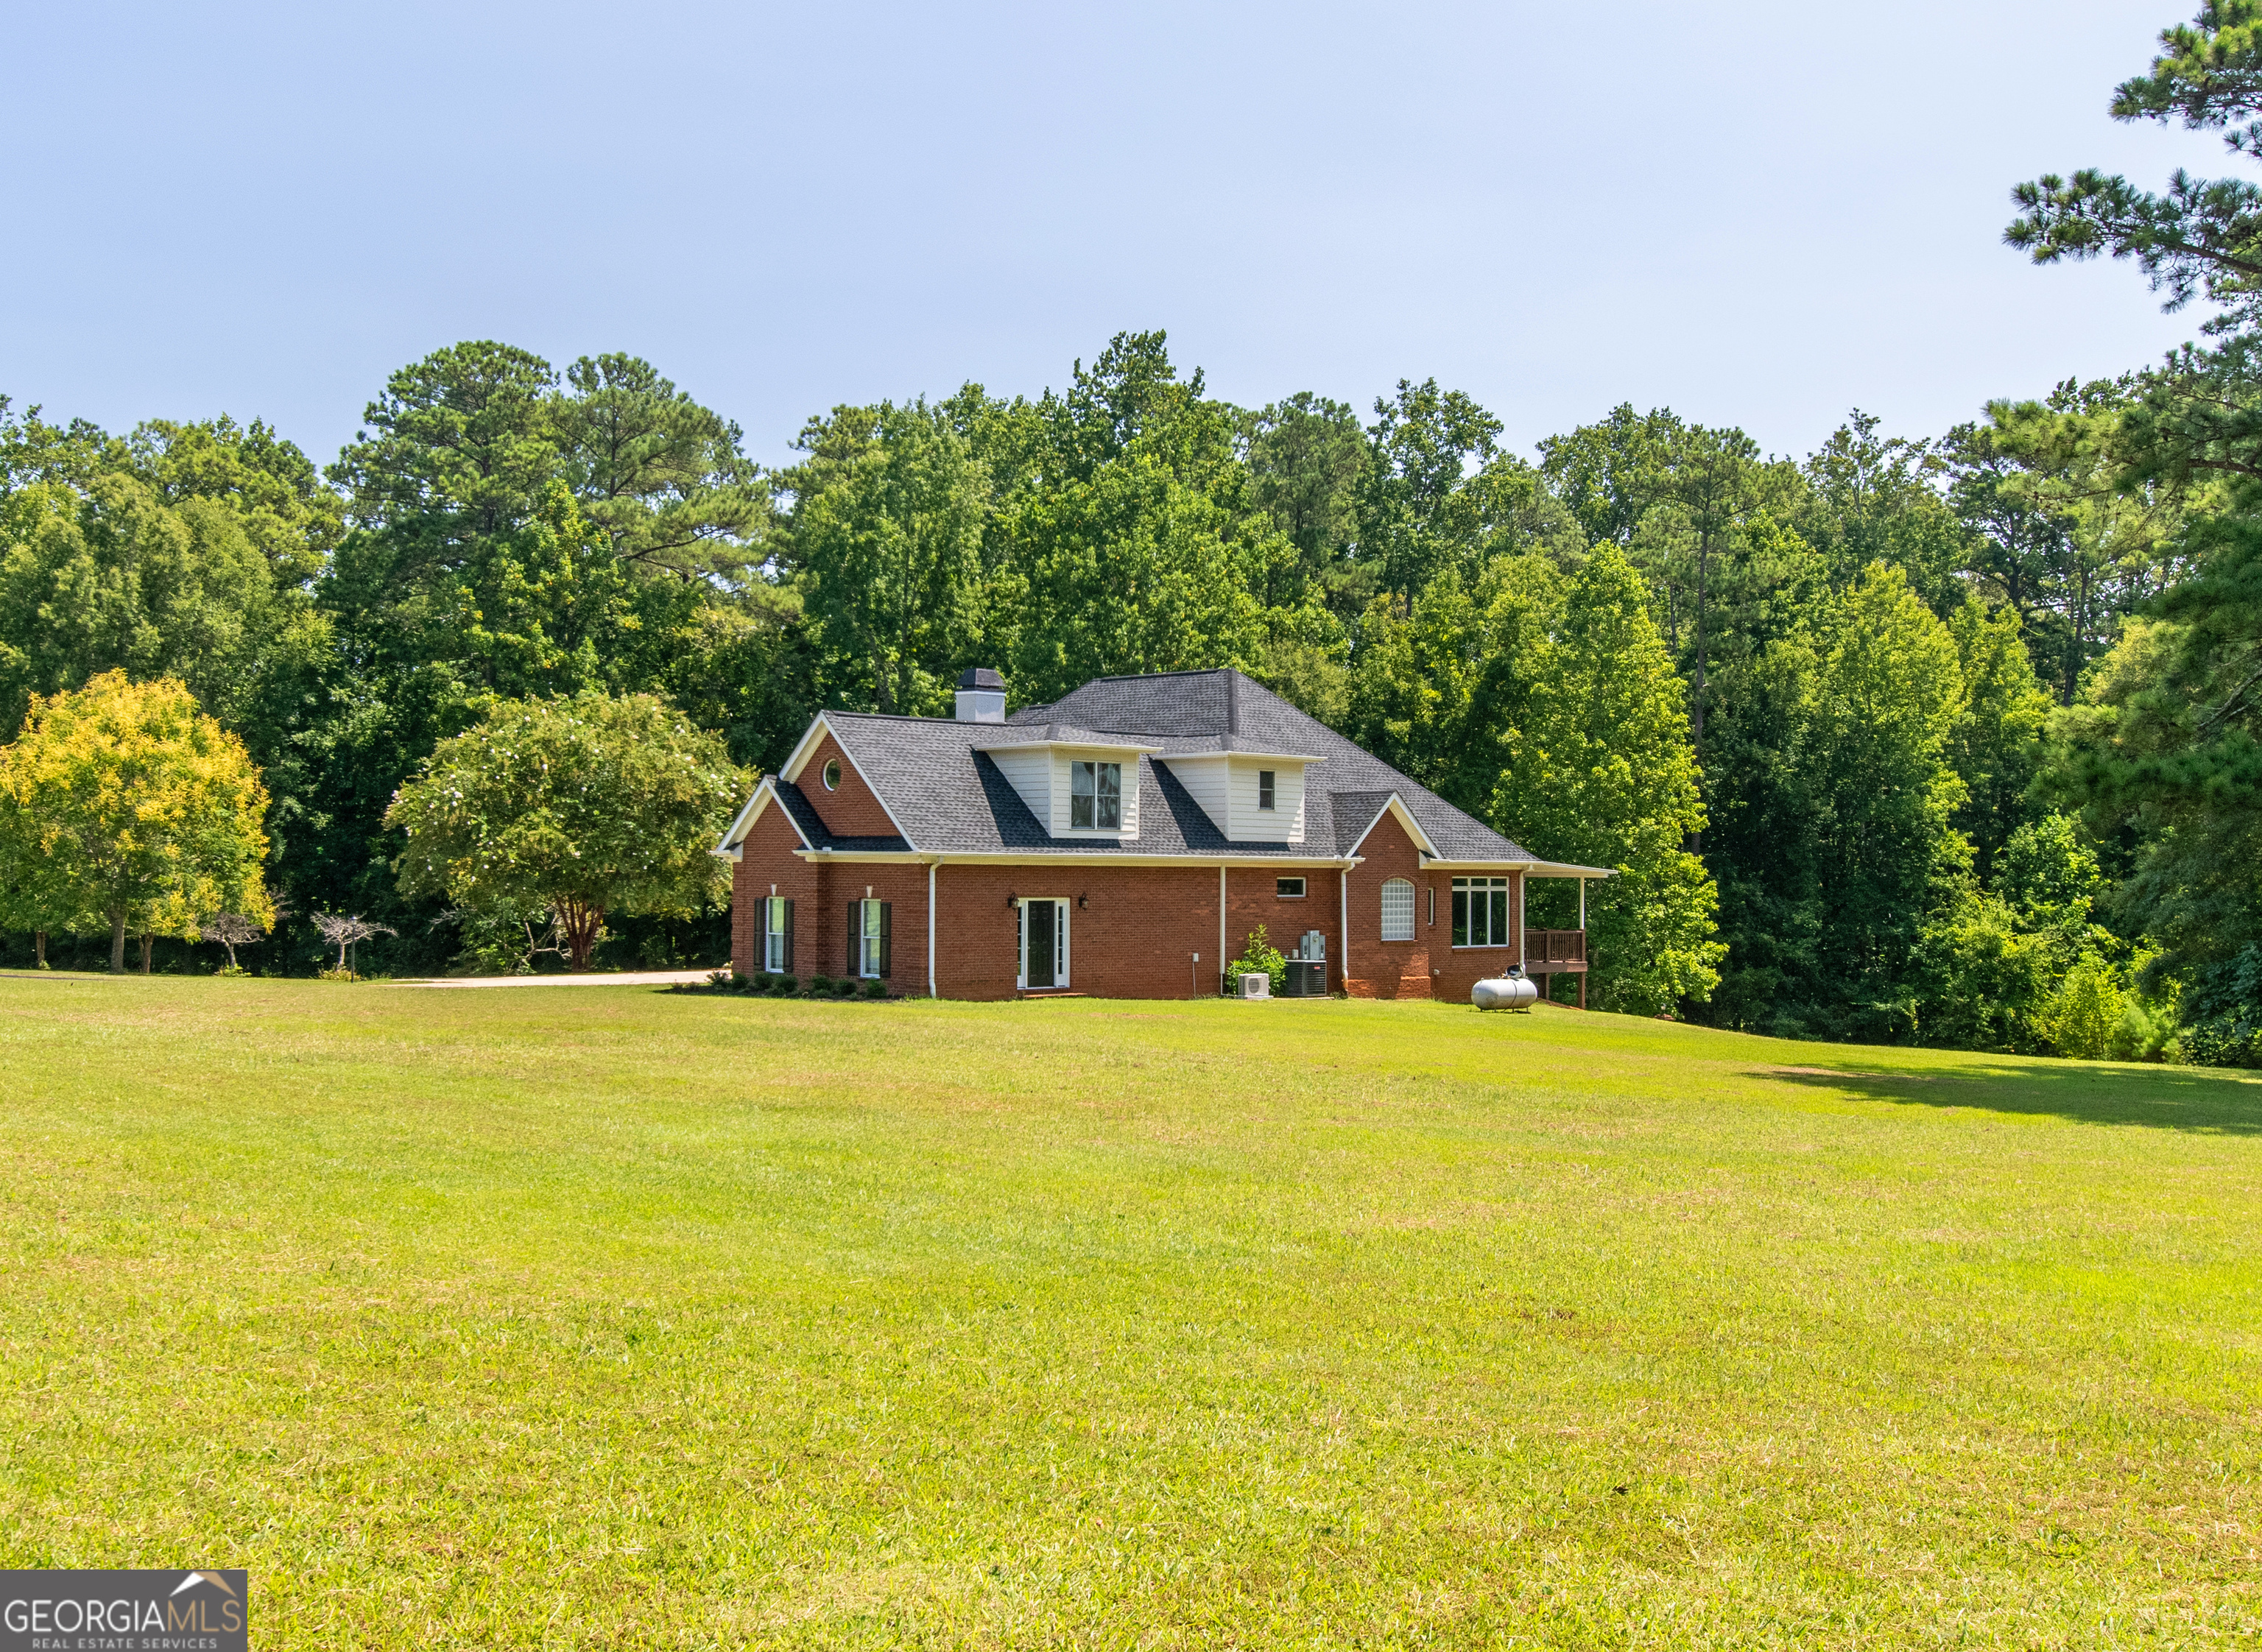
x,y
122,801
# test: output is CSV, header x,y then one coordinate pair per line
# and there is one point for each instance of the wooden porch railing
x,y
1554,946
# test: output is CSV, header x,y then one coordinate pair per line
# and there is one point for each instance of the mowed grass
x,y
609,1317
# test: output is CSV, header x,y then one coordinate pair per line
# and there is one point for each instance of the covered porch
x,y
1547,954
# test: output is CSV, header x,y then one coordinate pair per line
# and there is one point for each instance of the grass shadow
x,y
2208,1100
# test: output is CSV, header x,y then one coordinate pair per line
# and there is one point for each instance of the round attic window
x,y
831,774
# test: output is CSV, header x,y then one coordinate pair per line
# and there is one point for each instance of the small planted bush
x,y
843,988
876,990
819,985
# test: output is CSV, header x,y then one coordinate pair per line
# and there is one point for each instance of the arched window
x,y
1398,910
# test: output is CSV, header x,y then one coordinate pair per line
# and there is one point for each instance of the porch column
x,y
1583,958
1523,900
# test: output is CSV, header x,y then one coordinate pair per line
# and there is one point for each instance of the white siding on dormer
x,y
1204,779
1226,788
1029,773
1284,821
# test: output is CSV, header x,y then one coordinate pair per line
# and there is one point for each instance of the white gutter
x,y
1038,858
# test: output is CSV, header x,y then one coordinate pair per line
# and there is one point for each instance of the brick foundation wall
x,y
820,893
1134,936
1252,898
1392,969
1457,970
1429,966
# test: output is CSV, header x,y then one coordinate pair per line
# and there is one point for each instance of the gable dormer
x,y
1252,797
1077,782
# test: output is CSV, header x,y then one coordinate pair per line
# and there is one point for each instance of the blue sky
x,y
1756,213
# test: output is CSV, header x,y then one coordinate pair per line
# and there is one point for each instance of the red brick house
x,y
1120,842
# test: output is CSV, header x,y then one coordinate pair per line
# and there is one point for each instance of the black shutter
x,y
789,937
854,964
886,941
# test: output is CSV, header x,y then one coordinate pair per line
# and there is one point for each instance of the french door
x,y
1044,945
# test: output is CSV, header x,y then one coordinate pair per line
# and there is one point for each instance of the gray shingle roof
x,y
1003,736
796,802
950,798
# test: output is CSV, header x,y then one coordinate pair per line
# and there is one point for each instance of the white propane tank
x,y
1516,991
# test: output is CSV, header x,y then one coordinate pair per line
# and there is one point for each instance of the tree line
x,y
1946,739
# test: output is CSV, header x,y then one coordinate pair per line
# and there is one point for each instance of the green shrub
x,y
819,985
1260,957
876,990
844,987
2146,1030
2081,1014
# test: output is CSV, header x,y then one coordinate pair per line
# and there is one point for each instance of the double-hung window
x,y
1095,797
868,939
1480,912
777,936
1265,788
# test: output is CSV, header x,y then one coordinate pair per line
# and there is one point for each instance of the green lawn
x,y
606,1316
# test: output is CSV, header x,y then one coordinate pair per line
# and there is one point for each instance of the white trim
x,y
866,931
1564,869
791,768
765,789
1394,805
1254,757
1062,904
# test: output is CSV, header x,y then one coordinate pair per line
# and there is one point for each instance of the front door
x,y
1044,943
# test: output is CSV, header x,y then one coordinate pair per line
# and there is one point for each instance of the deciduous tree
x,y
581,807
147,811
1602,774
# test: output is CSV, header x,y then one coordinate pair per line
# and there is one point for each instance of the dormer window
x,y
1095,796
1264,788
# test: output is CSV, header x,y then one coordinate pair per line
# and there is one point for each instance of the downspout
x,y
931,866
1523,911
1221,912
1342,885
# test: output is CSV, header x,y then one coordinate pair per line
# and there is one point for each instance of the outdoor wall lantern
x,y
1013,902
1081,901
